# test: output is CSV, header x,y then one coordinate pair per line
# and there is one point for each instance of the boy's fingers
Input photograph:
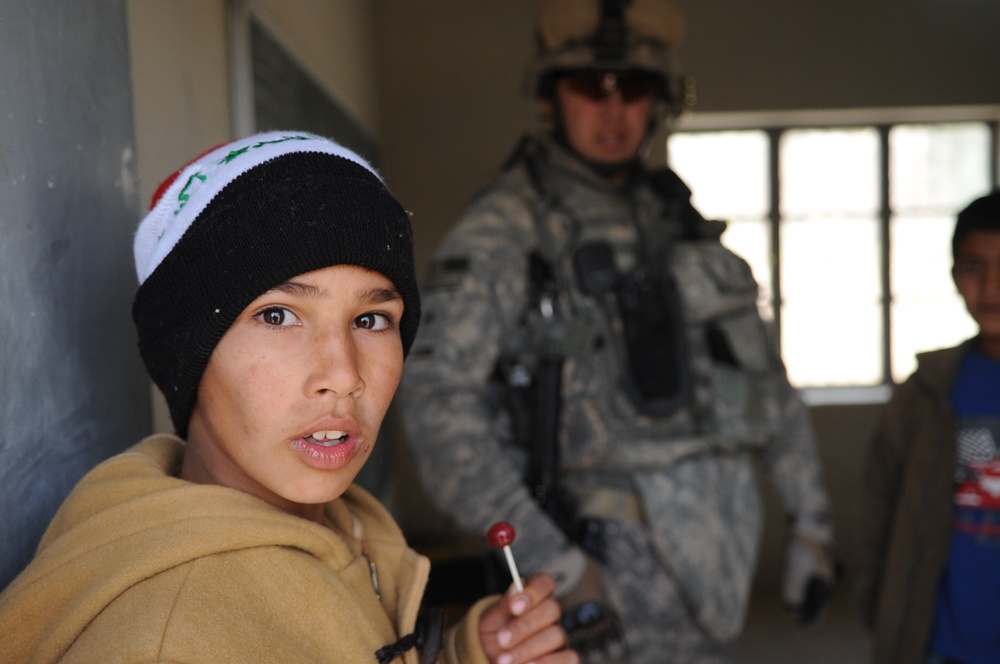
x,y
537,589
547,645
543,584
538,619
524,627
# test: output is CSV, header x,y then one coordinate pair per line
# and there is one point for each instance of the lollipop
x,y
501,535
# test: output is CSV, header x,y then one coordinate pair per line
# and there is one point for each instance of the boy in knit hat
x,y
277,301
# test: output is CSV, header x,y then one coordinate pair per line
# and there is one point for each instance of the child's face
x,y
293,395
977,276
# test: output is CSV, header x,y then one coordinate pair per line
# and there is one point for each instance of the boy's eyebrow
x,y
373,295
297,288
379,295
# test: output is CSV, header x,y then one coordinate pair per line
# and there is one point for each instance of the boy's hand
x,y
524,627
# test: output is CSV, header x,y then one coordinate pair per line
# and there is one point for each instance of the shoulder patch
x,y
447,273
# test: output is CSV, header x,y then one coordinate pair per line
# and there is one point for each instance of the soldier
x,y
592,366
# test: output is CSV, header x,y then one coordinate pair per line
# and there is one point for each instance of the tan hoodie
x,y
139,566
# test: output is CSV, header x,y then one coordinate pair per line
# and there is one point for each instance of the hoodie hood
x,y
129,519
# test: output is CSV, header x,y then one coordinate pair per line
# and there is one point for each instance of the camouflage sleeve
x,y
789,449
791,458
472,299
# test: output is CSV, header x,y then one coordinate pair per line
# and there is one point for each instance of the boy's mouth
x,y
327,438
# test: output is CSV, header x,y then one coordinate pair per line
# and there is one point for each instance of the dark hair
x,y
982,214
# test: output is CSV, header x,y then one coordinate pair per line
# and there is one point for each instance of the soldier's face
x,y
293,395
604,115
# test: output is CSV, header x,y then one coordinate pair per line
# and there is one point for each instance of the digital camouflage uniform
x,y
677,493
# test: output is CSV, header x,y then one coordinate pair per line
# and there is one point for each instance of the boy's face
x,y
977,276
293,395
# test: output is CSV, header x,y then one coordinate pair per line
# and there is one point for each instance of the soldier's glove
x,y
811,568
592,626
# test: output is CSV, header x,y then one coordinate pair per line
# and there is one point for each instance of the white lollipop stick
x,y
501,535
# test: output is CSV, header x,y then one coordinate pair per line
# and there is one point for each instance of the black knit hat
x,y
242,219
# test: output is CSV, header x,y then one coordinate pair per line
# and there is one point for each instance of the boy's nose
x,y
334,368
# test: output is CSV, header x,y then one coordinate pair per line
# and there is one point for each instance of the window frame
x,y
773,124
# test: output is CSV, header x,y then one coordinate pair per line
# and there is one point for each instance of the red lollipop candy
x,y
501,535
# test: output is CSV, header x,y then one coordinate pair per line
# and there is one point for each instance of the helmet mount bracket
x,y
609,40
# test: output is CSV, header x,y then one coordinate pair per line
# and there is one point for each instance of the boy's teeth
x,y
328,435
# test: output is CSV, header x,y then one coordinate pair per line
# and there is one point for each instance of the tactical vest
x,y
597,254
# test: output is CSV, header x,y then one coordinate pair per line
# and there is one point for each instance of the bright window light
x,y
857,232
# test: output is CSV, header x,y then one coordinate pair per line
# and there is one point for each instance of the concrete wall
x,y
183,76
180,82
72,389
789,54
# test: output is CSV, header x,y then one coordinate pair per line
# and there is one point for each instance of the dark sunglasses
x,y
596,85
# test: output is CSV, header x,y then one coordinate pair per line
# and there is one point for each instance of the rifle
x,y
533,397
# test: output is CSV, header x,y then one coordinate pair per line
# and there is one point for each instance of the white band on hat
x,y
202,180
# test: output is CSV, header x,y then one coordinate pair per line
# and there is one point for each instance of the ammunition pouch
x,y
653,332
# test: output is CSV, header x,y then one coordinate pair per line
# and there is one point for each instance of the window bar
x,y
885,216
774,214
994,129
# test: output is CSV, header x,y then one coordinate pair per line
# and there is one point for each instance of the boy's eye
x,y
967,267
277,316
374,322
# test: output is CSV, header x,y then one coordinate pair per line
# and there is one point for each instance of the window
x,y
846,223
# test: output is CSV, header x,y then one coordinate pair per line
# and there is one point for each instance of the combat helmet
x,y
609,35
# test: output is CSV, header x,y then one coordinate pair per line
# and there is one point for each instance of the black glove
x,y
810,569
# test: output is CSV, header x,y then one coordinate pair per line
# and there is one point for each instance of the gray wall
x,y
72,389
810,54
